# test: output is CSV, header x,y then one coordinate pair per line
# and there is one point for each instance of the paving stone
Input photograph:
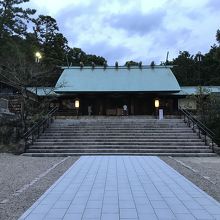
x,y
94,204
123,187
109,208
72,217
217,217
179,209
151,216
164,214
185,217
127,204
34,216
92,213
201,214
128,213
110,216
214,209
144,209
76,208
141,200
42,209
61,204
159,204
56,213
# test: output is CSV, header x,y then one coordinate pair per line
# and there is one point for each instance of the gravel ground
x,y
16,172
202,171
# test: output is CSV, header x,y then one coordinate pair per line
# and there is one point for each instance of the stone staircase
x,y
119,136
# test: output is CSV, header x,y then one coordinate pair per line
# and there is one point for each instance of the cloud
x,y
114,53
135,30
214,5
136,22
173,38
52,7
78,20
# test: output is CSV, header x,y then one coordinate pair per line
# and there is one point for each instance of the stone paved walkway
x,y
123,187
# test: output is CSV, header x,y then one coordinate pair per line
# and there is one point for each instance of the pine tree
x,y
14,19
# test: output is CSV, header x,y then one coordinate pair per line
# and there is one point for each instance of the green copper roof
x,y
121,79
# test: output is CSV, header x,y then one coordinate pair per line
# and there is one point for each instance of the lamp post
x,y
77,106
38,56
157,105
199,60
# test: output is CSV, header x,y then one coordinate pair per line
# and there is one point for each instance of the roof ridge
x,y
114,67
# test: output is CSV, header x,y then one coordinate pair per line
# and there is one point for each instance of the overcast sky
x,y
139,30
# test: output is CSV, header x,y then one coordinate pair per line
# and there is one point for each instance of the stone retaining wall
x,y
10,131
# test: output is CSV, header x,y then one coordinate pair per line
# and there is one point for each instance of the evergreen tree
x,y
45,28
53,45
218,36
14,19
131,63
184,69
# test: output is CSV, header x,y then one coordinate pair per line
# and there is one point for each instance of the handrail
x,y
203,129
39,127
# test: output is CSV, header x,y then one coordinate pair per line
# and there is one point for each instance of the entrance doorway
x,y
143,105
114,105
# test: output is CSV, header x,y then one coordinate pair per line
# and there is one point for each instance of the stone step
x,y
135,121
93,132
125,150
116,118
148,134
113,136
120,120
114,122
101,139
124,121
82,143
110,121
118,128
118,147
121,125
120,154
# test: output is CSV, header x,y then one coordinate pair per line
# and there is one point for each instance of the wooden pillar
x,y
132,105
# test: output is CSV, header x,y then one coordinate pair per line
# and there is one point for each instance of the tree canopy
x,y
14,19
199,69
131,63
18,46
